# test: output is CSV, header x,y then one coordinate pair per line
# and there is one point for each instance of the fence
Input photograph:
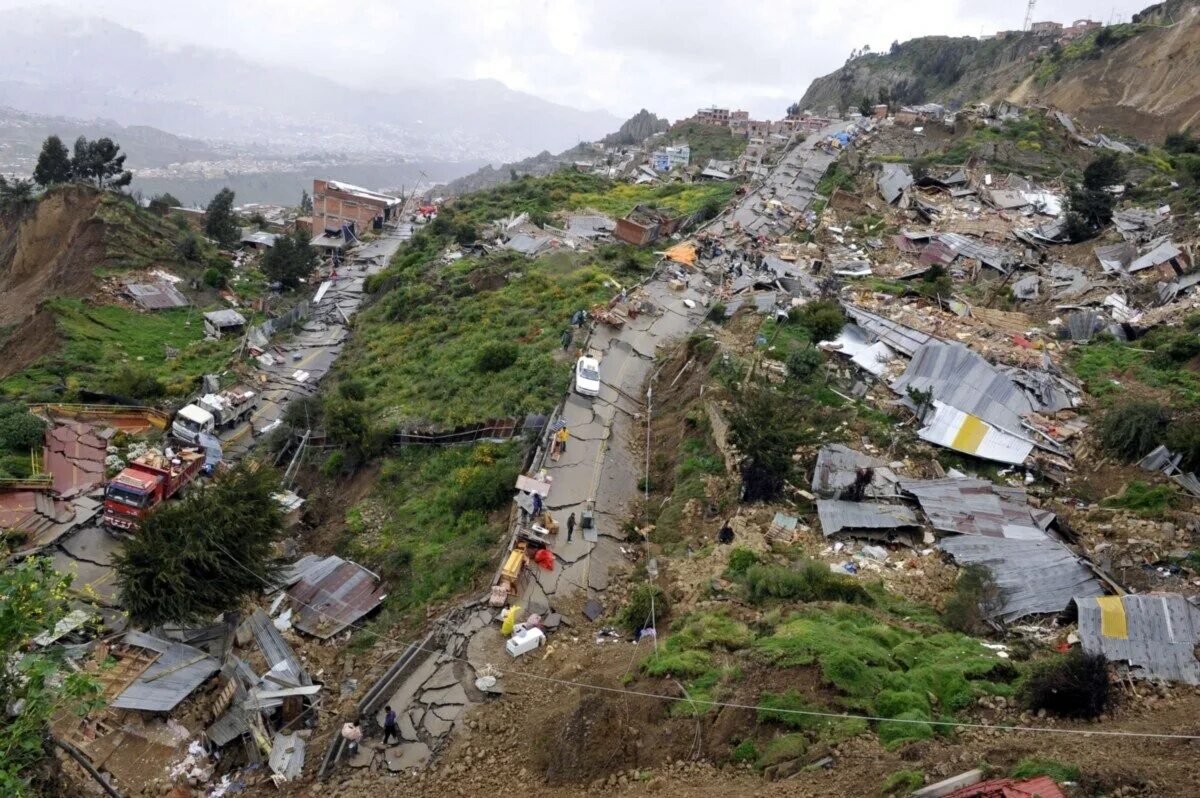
x,y
492,429
260,336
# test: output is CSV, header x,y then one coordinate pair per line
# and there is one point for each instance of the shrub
x,y
130,383
1031,767
333,464
808,581
740,560
1184,439
496,357
716,314
823,319
1144,499
745,751
1072,686
353,390
709,630
1132,429
20,431
976,597
647,604
802,363
213,278
678,663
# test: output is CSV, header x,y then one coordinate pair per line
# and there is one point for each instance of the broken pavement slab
x,y
408,755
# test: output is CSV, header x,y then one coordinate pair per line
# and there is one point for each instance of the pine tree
x,y
100,161
203,555
53,164
306,206
219,222
292,258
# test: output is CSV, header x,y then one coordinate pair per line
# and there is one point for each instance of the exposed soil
x,y
30,340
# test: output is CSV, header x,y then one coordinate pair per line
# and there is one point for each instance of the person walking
x,y
389,725
560,438
570,526
566,339
537,507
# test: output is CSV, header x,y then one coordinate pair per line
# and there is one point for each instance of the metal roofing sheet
x,y
1160,253
973,507
225,318
1034,576
1156,633
854,343
893,179
837,466
897,336
967,247
837,516
328,605
230,726
156,296
947,426
274,648
171,678
965,381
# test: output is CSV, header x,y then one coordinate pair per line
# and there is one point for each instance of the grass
x,y
696,462
1031,767
1145,500
429,525
416,349
1106,366
102,341
884,668
707,141
902,782
619,199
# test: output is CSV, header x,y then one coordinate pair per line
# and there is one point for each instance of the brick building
x,y
1046,29
713,116
1080,28
336,204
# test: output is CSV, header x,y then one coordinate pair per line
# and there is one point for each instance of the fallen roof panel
x,y
973,507
960,378
1156,633
1034,576
963,432
897,336
837,466
170,679
328,605
837,516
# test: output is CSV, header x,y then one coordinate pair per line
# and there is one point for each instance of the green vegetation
x,y
1055,62
783,748
135,239
291,259
37,680
21,438
1107,366
1132,429
707,141
109,349
901,783
696,463
1031,767
1030,133
220,224
1144,499
789,708
429,525
976,596
885,668
838,177
648,606
619,199
822,319
740,561
1071,685
808,580
745,751
204,555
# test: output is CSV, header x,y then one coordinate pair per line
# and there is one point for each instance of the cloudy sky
x,y
616,55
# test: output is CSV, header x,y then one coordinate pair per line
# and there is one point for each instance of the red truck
x,y
145,483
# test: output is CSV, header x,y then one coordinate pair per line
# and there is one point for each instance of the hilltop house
x,y
336,204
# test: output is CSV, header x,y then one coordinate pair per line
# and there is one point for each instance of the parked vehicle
x,y
524,641
587,376
214,411
146,483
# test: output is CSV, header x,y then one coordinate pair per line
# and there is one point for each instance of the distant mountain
x,y
22,134
51,63
634,130
637,129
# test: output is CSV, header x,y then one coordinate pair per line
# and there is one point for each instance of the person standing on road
x,y
537,507
566,339
389,725
560,438
570,526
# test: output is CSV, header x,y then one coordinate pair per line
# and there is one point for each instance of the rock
x,y
789,768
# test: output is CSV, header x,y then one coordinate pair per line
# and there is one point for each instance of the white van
x,y
524,640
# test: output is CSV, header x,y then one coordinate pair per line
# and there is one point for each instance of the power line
x,y
731,705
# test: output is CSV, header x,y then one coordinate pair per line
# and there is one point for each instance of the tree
x,y
895,48
1132,429
823,319
161,204
21,431
100,161
35,679
15,194
1104,171
53,163
203,555
864,106
219,222
885,95
306,206
291,259
761,430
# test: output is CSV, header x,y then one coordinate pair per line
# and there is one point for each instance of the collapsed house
x,y
645,225
1154,634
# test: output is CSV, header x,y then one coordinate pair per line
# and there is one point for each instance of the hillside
x,y
1142,78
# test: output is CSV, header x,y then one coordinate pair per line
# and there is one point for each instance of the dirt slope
x,y
49,250
1148,87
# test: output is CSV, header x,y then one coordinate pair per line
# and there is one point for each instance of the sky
x,y
616,55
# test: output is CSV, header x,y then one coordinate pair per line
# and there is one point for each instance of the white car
x,y
587,376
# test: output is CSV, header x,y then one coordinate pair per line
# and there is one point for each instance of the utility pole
x,y
649,396
1029,15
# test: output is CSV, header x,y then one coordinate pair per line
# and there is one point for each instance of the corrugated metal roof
x,y
171,678
1034,576
1115,257
1156,633
330,599
893,179
963,432
853,342
230,726
528,244
897,336
962,379
837,466
156,296
1161,252
974,507
225,318
837,516
260,237
274,648
987,254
